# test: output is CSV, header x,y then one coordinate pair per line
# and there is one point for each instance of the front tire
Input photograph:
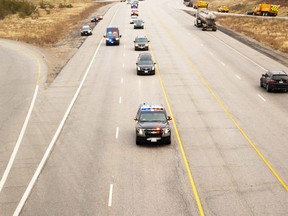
x,y
268,89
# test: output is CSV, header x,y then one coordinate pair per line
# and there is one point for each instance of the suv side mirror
x,y
120,36
104,36
169,118
135,119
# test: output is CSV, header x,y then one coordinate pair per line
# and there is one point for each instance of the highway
x,y
78,155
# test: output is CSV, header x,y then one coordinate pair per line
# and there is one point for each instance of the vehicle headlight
x,y
136,45
153,68
140,131
117,38
138,68
146,45
166,131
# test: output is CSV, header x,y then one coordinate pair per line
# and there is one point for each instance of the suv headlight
x,y
153,68
166,131
141,132
138,68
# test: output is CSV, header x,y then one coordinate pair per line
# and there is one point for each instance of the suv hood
x,y
150,125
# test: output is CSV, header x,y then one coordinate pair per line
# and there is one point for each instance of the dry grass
x,y
47,26
269,31
242,6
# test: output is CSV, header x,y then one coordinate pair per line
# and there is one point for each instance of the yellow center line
x,y
204,82
192,182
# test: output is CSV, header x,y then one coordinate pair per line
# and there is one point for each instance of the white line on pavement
x,y
117,132
19,140
120,100
261,97
238,77
110,195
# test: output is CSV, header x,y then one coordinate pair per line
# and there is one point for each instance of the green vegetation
x,y
23,8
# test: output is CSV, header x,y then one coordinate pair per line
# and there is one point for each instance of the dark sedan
x,y
145,64
274,80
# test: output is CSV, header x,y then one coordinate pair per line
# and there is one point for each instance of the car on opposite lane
x,y
141,43
145,64
86,30
152,124
274,80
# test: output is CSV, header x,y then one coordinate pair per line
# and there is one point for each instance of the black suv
x,y
274,80
145,64
141,43
152,124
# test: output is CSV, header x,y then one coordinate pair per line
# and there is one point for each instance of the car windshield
x,y
114,34
152,117
85,28
138,21
141,40
280,77
145,62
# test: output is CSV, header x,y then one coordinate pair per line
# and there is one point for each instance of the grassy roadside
x,y
268,31
49,26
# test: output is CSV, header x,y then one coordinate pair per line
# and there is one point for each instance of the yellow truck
x,y
223,9
200,4
265,10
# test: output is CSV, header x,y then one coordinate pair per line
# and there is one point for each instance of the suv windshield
x,y
145,62
153,117
144,40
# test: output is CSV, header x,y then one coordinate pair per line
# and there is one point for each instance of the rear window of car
x,y
280,77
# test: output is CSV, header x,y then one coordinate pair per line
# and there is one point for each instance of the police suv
x,y
152,124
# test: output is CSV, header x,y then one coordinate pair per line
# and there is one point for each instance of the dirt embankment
x,y
56,31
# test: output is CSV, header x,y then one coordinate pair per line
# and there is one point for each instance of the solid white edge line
x,y
117,132
222,63
53,141
19,140
110,195
262,97
238,77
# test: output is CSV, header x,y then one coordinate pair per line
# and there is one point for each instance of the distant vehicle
x,y
265,10
199,4
223,9
112,36
205,19
138,23
145,64
134,12
274,80
96,18
141,43
122,0
152,124
133,18
86,30
134,5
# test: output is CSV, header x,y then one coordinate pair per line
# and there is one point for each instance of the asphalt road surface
x,y
78,155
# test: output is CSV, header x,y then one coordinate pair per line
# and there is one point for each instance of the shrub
x,y
22,8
